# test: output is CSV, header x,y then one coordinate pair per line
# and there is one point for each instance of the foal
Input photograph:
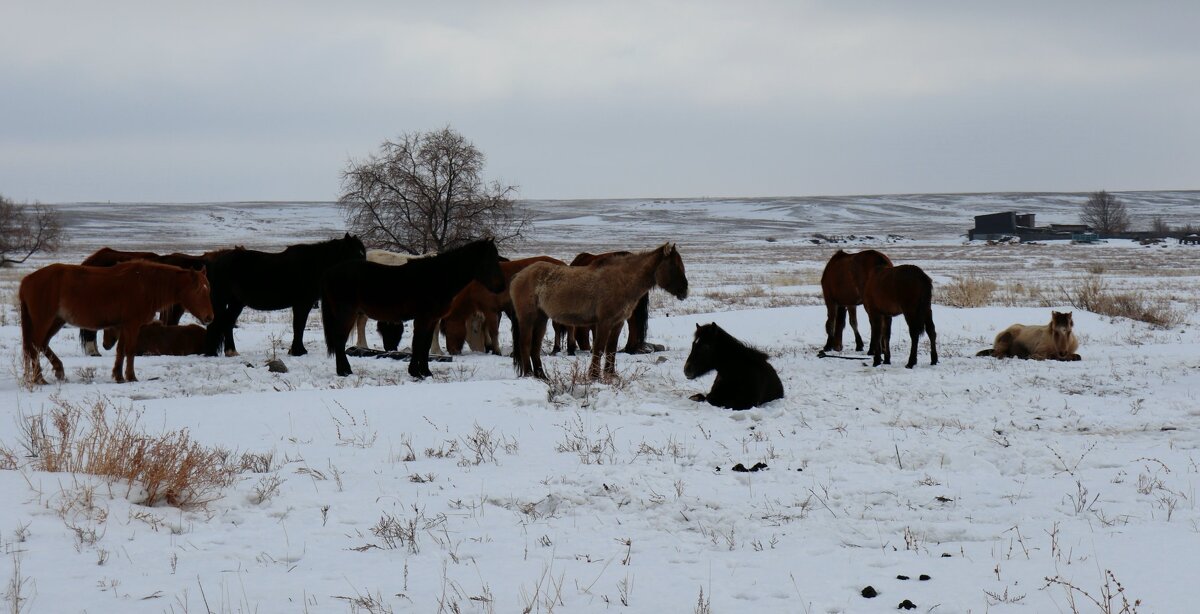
x,y
842,285
1053,341
744,377
892,291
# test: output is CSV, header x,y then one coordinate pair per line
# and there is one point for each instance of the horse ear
x,y
666,249
697,326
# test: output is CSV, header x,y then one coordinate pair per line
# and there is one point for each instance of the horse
x,y
744,377
638,322
1053,341
601,295
269,281
842,285
124,296
476,299
106,256
158,339
391,332
420,291
891,291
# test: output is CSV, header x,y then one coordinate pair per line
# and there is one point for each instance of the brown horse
x,y
601,295
106,256
892,291
1053,341
842,286
124,296
476,299
158,339
638,321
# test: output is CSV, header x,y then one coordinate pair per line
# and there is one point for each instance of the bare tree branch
x,y
1105,213
26,230
424,191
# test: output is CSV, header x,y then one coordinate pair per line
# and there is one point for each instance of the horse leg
x,y
418,363
87,338
599,342
57,364
915,324
874,350
638,321
491,332
299,320
172,315
610,352
435,345
572,342
858,340
235,310
360,328
535,348
885,342
558,335
583,338
833,328
129,335
931,332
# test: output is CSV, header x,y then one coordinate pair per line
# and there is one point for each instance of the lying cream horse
x,y
1053,341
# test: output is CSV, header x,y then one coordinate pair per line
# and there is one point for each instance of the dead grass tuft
x,y
968,291
1093,294
109,441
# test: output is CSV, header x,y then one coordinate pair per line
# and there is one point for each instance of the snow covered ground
x,y
987,476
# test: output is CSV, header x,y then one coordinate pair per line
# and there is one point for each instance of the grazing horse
x,y
158,339
391,332
891,291
601,295
124,296
638,322
1053,341
420,291
270,281
744,377
842,284
476,299
106,256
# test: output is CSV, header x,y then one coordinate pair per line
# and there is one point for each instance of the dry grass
x,y
1093,294
967,291
109,442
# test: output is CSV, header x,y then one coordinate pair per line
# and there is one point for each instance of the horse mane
x,y
318,246
434,260
731,346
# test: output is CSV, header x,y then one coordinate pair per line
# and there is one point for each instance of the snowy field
x,y
477,491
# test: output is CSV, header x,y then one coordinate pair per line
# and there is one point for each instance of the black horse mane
x,y
728,346
321,245
468,250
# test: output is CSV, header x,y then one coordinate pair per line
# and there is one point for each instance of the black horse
x,y
420,290
265,281
744,377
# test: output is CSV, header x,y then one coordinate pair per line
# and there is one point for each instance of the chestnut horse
x,y
601,295
124,296
420,291
638,322
158,339
269,281
476,299
106,256
842,286
892,291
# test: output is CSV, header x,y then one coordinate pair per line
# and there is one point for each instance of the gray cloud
x,y
150,101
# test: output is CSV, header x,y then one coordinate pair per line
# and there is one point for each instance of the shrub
x,y
969,291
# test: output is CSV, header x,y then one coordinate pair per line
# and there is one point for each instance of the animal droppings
x,y
869,592
924,577
901,577
742,468
906,605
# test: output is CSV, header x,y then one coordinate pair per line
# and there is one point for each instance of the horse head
x,y
670,274
196,295
702,358
353,246
1062,324
488,271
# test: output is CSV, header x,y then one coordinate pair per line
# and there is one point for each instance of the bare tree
x,y
1105,213
26,230
424,192
1159,226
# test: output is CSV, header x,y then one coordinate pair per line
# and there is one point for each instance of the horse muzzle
x,y
688,371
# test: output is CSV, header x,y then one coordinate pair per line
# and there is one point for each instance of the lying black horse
x,y
420,290
744,377
265,281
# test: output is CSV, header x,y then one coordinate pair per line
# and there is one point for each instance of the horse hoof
x,y
230,353
295,352
699,396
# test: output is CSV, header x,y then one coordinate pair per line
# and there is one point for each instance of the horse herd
x,y
588,301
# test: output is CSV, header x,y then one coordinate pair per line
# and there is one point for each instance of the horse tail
x,y
331,320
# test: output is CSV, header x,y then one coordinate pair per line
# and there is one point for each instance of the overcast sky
x,y
161,101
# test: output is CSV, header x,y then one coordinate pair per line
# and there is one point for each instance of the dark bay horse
x,y
744,377
290,279
106,256
892,291
638,321
124,296
601,295
842,284
475,298
420,290
158,339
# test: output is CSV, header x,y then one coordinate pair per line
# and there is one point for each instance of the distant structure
x,y
1002,226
